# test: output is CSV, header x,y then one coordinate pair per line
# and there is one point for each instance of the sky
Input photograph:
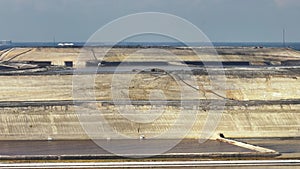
x,y
220,20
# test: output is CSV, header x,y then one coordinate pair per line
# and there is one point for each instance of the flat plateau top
x,y
119,54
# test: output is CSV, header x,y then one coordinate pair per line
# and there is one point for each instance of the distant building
x,y
5,42
65,44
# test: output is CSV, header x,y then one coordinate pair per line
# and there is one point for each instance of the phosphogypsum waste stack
x,y
261,96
